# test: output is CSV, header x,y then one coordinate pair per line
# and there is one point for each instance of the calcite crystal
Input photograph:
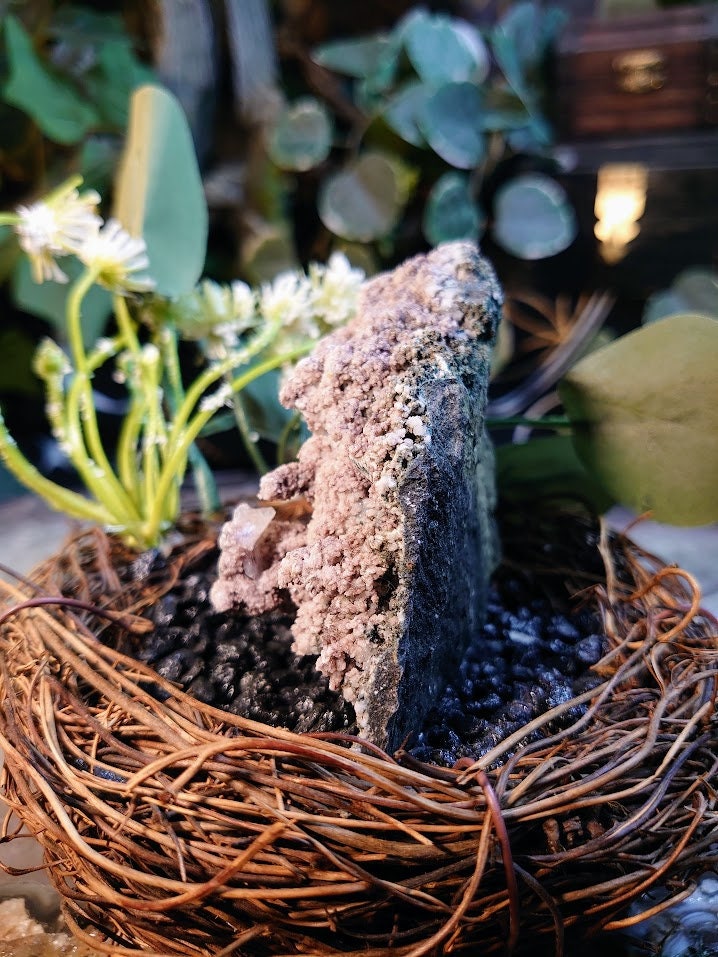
x,y
389,564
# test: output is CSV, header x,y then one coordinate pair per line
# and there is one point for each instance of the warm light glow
x,y
620,203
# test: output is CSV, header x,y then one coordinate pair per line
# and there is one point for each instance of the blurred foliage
x,y
67,71
426,115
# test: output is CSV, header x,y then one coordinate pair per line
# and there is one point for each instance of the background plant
x,y
136,491
439,108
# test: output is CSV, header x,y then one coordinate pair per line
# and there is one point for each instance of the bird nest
x,y
170,827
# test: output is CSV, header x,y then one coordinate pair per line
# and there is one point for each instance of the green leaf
x,y
533,217
547,467
360,58
266,414
693,291
443,49
267,253
302,136
111,81
159,192
98,161
531,30
451,122
49,300
364,200
56,107
402,111
645,419
451,212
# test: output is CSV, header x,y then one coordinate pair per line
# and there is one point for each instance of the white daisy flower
x,y
116,258
335,289
56,226
287,301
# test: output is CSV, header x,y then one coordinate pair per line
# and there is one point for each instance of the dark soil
x,y
535,651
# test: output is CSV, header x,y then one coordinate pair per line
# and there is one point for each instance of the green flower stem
x,y
98,480
154,432
219,371
240,417
9,219
110,491
202,476
126,325
178,449
127,465
59,498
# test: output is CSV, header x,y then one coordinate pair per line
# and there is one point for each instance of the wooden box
x,y
639,74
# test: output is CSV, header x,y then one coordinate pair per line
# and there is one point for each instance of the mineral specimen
x,y
389,564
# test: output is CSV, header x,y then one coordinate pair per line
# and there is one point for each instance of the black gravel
x,y
535,652
240,664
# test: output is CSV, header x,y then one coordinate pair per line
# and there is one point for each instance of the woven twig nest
x,y
173,828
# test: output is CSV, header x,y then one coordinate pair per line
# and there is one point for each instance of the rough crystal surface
x,y
389,574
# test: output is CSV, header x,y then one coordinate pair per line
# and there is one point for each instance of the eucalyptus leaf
x,y
363,201
403,109
267,253
359,58
451,212
533,217
547,467
531,29
53,103
443,49
645,421
265,413
48,300
98,161
693,291
159,192
451,122
113,78
302,136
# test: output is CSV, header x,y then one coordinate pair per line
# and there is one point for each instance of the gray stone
x,y
389,571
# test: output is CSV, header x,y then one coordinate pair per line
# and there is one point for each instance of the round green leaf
x,y
302,137
645,420
49,300
363,202
451,122
360,58
699,290
159,193
443,49
450,212
58,109
533,217
403,109
693,291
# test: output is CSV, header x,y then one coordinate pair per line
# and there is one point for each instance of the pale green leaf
x,y
360,58
547,467
403,109
159,192
444,49
451,122
302,136
364,200
451,211
645,418
57,108
48,300
533,218
694,290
